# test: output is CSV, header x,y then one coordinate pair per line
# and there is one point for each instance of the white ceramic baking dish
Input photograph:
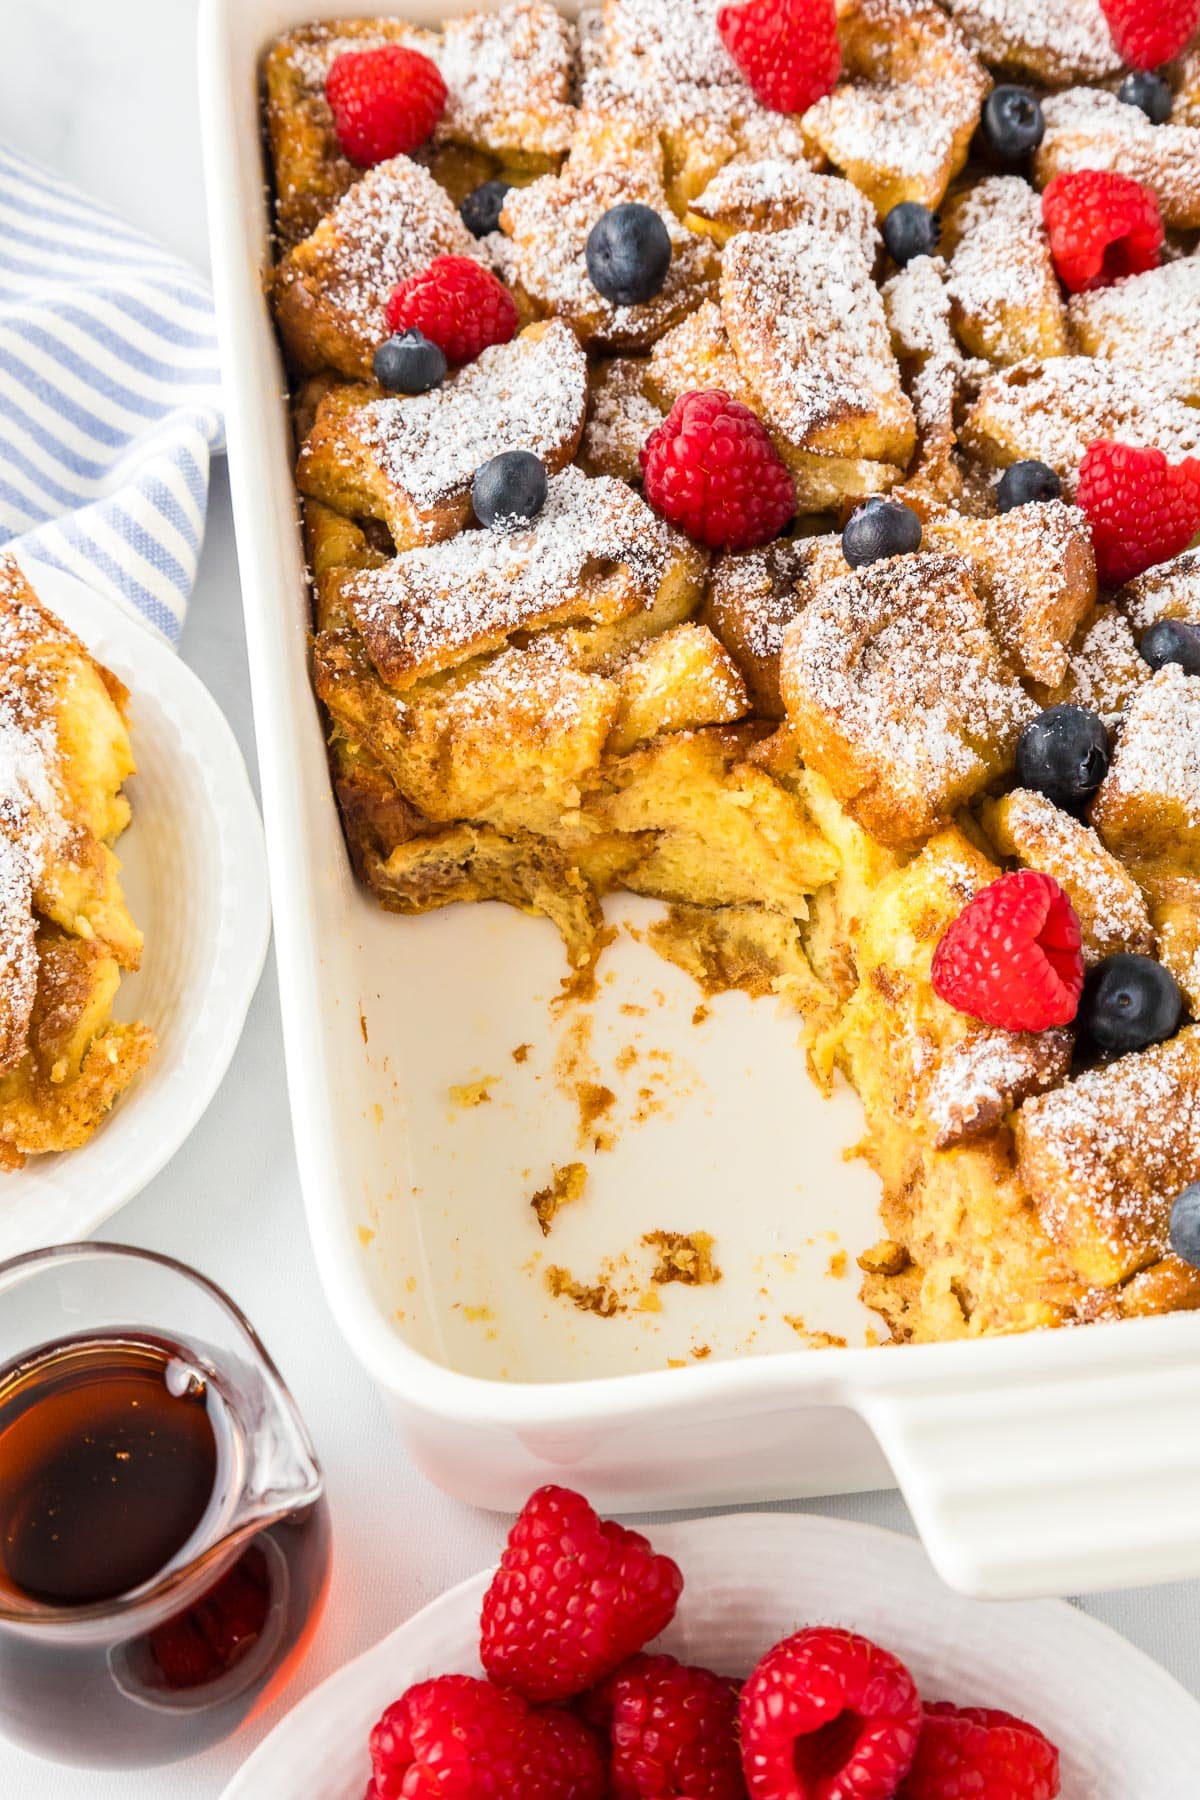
x,y
1032,1465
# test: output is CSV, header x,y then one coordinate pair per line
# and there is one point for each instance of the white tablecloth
x,y
105,94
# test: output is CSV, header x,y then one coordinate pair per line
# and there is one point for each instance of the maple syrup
x,y
110,1454
130,1631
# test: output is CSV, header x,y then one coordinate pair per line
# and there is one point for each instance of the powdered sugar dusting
x,y
1106,1155
808,325
983,1078
1053,410
508,73
1171,591
1089,128
775,195
1157,757
1110,904
1105,669
428,608
892,670
1055,41
1150,321
390,225
550,221
527,395
1001,277
620,419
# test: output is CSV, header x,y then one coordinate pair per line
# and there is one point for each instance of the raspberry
x,y
1102,227
1012,957
1148,33
1142,509
974,1753
457,304
673,1732
573,1598
384,102
788,50
711,469
456,1738
828,1716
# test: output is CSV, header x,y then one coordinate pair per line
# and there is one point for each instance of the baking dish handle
x,y
1055,1481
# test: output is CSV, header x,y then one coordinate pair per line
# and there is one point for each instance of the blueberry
x,y
1013,124
409,364
629,254
481,209
509,489
1063,753
1149,93
1185,1225
1129,1002
1027,483
909,230
880,528
1172,641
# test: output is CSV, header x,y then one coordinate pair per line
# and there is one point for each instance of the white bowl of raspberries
x,y
750,1657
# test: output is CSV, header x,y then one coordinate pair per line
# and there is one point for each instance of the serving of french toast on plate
x,y
750,458
66,935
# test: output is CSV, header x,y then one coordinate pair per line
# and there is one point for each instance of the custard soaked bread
x,y
66,931
728,480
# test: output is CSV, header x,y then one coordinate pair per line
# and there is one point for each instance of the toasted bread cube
x,y
78,1059
1170,591
1036,572
1150,323
508,76
1186,108
782,196
507,740
901,123
310,172
1088,128
917,305
679,681
1003,286
898,694
595,552
509,73
1148,806
1051,42
1105,1156
667,66
1104,669
1110,905
611,164
698,354
807,325
1174,904
720,832
330,292
754,596
620,418
1054,410
980,1081
410,461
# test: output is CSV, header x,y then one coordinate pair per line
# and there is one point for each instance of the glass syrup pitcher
x,y
164,1534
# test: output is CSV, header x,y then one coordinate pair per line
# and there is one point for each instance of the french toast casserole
x,y
560,653
66,933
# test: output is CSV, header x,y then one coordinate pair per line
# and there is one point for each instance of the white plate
x,y
195,876
1123,1726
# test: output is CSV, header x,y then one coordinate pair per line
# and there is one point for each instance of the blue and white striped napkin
x,y
110,397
